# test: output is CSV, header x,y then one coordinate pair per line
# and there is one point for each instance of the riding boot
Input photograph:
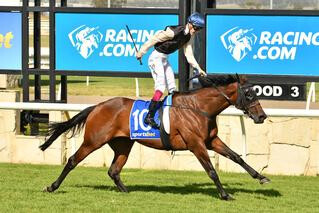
x,y
149,119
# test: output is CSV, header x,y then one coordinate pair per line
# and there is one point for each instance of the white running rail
x,y
78,107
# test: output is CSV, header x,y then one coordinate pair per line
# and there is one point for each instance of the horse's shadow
x,y
200,188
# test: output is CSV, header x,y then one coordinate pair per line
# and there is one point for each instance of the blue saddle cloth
x,y
140,130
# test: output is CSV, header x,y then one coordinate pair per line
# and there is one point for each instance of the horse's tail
x,y
75,125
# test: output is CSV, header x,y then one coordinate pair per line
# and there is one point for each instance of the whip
x,y
128,29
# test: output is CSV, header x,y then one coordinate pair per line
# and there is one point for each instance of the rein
x,y
223,94
213,85
205,114
240,102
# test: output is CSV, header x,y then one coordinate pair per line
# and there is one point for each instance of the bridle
x,y
246,97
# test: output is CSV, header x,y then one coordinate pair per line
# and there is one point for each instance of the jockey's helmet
x,y
196,19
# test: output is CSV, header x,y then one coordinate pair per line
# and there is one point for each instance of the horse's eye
x,y
249,97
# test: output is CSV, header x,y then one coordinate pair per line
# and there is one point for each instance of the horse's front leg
x,y
220,147
201,153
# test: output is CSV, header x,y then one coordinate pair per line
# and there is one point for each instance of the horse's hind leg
x,y
218,146
122,148
84,150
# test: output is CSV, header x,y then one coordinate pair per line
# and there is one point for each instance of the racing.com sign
x,y
275,45
101,42
114,43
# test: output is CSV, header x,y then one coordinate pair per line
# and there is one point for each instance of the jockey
x,y
166,42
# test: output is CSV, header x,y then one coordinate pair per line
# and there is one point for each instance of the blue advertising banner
x,y
270,45
10,41
100,42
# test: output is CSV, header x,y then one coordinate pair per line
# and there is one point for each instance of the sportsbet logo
x,y
5,40
118,43
242,42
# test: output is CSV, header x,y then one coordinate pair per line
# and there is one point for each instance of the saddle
x,y
139,130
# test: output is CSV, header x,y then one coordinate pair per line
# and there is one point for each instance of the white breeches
x,y
162,72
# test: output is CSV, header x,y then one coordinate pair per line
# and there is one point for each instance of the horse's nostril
x,y
262,117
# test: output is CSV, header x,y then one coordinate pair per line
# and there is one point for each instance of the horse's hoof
x,y
228,198
264,180
47,189
123,189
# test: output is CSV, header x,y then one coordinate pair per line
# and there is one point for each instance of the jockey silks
x,y
178,41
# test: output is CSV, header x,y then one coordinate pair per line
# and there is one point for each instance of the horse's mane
x,y
216,80
219,80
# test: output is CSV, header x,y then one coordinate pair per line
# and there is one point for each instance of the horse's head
x,y
237,92
247,101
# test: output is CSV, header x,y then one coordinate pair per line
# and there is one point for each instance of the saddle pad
x,y
138,129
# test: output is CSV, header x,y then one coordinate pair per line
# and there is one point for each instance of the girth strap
x,y
164,136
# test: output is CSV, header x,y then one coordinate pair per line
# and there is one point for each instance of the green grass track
x,y
91,190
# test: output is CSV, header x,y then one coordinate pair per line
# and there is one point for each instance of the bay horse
x,y
108,123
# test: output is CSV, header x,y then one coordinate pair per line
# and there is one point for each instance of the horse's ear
x,y
237,78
